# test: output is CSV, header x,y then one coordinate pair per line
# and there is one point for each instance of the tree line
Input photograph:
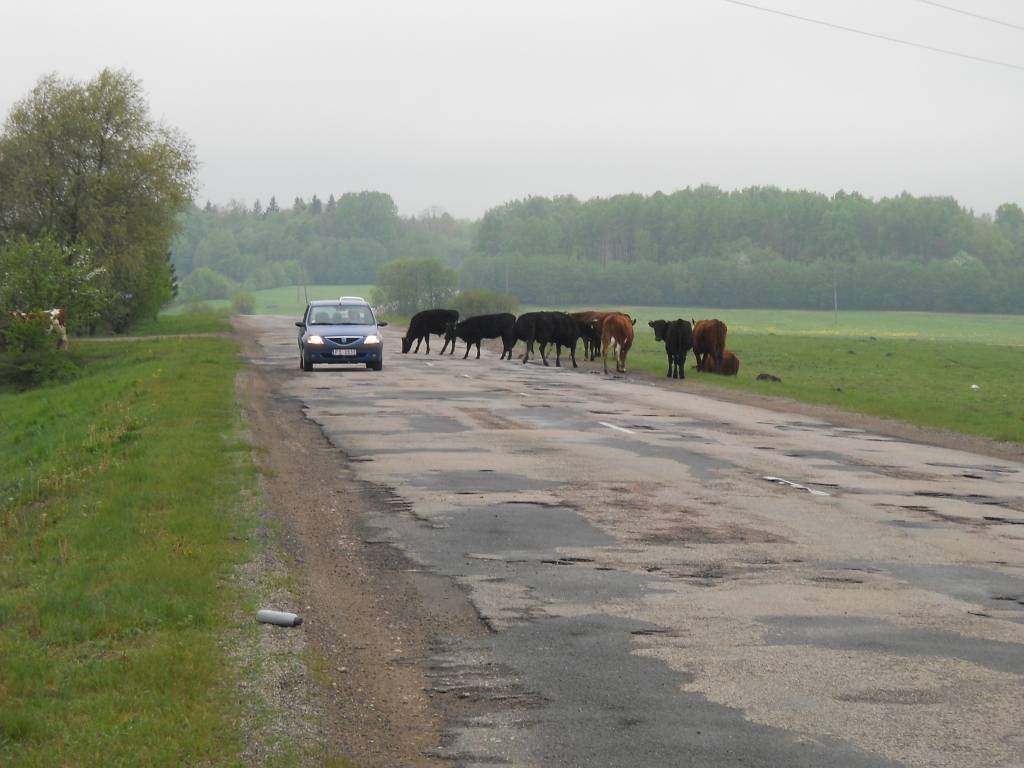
x,y
220,250
757,247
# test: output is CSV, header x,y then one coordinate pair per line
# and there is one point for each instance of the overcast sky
x,y
465,104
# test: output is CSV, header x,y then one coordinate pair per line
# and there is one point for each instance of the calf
x,y
425,323
616,331
473,329
56,322
730,364
709,339
546,328
678,338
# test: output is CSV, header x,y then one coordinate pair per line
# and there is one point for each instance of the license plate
x,y
344,352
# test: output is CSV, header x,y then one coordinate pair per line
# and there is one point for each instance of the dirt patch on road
x,y
373,620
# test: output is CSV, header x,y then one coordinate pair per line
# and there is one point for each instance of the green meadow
x,y
916,367
121,522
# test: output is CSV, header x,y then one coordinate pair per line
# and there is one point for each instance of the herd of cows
x,y
599,331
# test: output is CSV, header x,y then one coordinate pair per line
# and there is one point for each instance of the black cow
x,y
474,329
425,323
546,328
678,338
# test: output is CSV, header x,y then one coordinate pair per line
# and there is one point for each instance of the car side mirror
x,y
299,324
382,323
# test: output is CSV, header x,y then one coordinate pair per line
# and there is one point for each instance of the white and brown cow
x,y
55,317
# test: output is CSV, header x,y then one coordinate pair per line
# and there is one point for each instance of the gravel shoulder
x,y
371,619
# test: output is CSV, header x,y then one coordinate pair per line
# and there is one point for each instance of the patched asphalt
x,y
673,580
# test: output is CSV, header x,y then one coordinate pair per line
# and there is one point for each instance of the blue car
x,y
340,331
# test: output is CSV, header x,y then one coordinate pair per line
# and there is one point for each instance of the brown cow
x,y
617,329
592,342
709,339
730,364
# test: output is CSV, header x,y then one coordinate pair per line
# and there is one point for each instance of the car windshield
x,y
340,315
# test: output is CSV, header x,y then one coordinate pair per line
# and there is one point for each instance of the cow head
x,y
449,332
406,344
659,329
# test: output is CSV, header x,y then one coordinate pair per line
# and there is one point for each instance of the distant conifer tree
x,y
316,206
272,206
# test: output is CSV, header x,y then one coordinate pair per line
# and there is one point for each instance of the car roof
x,y
342,300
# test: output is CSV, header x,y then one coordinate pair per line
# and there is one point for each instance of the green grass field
x,y
912,366
120,526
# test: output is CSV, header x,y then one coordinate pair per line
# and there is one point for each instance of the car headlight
x,y
314,339
372,339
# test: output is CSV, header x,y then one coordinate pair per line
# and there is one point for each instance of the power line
x,y
877,36
973,15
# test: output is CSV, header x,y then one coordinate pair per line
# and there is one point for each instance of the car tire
x,y
375,366
307,364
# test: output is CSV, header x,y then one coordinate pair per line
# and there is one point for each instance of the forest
x,y
756,247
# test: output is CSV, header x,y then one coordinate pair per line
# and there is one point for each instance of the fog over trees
x,y
757,247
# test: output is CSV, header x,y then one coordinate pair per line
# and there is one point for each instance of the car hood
x,y
342,330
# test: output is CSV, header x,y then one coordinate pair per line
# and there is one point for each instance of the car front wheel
x,y
304,362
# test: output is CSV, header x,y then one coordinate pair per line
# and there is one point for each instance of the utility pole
x,y
835,298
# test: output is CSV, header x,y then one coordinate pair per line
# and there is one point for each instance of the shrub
x,y
483,302
243,303
29,356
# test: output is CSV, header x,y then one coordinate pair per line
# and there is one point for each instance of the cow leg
x,y
670,361
558,355
477,349
572,354
544,352
468,345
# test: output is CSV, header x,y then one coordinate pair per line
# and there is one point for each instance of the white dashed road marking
x,y
612,426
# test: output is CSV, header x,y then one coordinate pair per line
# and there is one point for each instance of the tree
x,y
257,208
316,206
272,206
406,286
86,163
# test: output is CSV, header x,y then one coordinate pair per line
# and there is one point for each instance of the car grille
x,y
344,339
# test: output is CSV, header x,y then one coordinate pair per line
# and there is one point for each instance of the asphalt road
x,y
655,599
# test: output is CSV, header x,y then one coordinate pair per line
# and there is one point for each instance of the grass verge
x,y
120,527
217,321
927,383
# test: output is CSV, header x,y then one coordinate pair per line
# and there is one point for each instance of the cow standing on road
x,y
425,323
545,328
617,333
474,329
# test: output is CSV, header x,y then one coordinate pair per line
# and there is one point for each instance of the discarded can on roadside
x,y
281,618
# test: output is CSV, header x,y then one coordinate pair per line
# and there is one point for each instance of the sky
x,y
462,105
